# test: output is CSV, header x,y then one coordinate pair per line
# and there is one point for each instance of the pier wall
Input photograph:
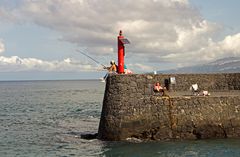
x,y
132,109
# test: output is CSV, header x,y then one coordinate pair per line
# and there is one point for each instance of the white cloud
x,y
159,30
16,63
96,23
139,67
2,47
230,46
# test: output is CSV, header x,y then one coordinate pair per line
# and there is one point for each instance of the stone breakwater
x,y
132,110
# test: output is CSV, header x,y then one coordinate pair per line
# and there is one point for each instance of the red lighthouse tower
x,y
121,52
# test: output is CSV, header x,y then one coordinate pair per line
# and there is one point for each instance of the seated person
x,y
126,70
205,93
195,90
159,88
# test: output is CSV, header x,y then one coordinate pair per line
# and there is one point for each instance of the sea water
x,y
47,118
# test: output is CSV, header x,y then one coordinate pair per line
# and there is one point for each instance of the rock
x,y
89,136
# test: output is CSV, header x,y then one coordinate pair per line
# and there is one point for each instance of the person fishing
x,y
111,69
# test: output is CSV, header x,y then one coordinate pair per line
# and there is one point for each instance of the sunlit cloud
x,y
16,63
230,46
159,30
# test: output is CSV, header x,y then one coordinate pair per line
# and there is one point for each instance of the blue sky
x,y
220,11
39,38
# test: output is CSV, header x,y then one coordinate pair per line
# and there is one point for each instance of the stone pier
x,y
132,110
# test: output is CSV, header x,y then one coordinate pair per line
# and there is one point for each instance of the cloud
x,y
96,23
139,67
15,63
229,46
2,47
159,30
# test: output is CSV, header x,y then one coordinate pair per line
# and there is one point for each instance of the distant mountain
x,y
225,65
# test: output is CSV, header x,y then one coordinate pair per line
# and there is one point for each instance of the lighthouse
x,y
121,51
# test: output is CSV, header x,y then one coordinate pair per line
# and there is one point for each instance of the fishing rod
x,y
81,51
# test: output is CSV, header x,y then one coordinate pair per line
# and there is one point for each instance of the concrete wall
x,y
130,109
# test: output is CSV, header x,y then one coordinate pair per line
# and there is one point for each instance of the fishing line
x,y
83,53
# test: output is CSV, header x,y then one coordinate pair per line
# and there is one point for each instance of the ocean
x,y
47,119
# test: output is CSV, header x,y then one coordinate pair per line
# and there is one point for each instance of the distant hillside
x,y
225,65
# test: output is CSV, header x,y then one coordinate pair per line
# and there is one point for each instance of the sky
x,y
39,39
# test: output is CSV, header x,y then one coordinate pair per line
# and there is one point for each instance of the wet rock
x,y
89,136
